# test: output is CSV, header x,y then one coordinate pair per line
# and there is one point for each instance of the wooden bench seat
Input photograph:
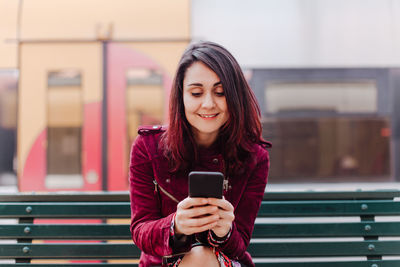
x,y
292,229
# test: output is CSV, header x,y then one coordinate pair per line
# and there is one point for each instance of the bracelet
x,y
216,241
172,227
176,237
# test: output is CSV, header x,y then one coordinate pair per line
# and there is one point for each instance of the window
x,y
64,130
329,149
8,123
357,97
325,124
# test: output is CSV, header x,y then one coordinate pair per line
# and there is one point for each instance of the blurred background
x,y
77,77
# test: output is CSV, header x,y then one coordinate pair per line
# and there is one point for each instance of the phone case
x,y
206,184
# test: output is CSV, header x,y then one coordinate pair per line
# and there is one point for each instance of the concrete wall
x,y
303,33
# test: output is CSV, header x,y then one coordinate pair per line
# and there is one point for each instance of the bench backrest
x,y
292,229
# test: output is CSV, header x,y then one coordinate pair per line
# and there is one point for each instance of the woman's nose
x,y
208,101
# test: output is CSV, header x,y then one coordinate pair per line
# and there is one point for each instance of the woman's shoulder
x,y
260,149
151,133
148,140
147,130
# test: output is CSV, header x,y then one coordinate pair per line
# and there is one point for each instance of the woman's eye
x,y
196,94
220,93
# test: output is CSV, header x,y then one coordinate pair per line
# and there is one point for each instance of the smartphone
x,y
206,184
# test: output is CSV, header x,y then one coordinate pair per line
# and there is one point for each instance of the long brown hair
x,y
243,128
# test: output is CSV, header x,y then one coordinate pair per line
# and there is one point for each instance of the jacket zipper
x,y
226,184
156,186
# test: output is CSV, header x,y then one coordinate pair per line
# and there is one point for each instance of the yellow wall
x,y
8,32
89,19
38,61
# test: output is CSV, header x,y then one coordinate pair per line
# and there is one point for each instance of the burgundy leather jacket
x,y
153,189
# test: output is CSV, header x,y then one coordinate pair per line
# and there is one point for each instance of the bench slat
x,y
124,196
265,230
65,231
69,251
65,210
333,195
302,249
281,249
268,209
261,230
328,208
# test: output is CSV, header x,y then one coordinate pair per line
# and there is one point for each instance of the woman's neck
x,y
205,140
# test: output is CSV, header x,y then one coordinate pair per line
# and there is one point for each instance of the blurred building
x,y
327,77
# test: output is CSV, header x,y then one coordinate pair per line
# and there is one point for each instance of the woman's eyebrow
x,y
200,84
195,84
217,83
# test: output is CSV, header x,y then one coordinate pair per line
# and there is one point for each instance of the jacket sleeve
x,y
150,231
246,210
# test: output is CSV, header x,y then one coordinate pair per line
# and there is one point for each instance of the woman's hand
x,y
226,216
193,215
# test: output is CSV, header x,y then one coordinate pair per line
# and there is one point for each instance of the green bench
x,y
292,229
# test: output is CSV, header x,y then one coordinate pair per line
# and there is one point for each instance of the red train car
x,y
81,100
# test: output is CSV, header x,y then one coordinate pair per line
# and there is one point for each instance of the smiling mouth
x,y
208,115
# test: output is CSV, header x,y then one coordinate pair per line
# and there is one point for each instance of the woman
x,y
214,126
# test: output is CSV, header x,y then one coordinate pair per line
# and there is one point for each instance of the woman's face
x,y
205,103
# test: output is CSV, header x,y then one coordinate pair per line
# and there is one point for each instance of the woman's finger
x,y
199,222
189,226
226,215
198,211
199,229
221,203
191,202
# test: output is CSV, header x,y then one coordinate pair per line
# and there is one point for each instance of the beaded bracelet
x,y
172,227
217,241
